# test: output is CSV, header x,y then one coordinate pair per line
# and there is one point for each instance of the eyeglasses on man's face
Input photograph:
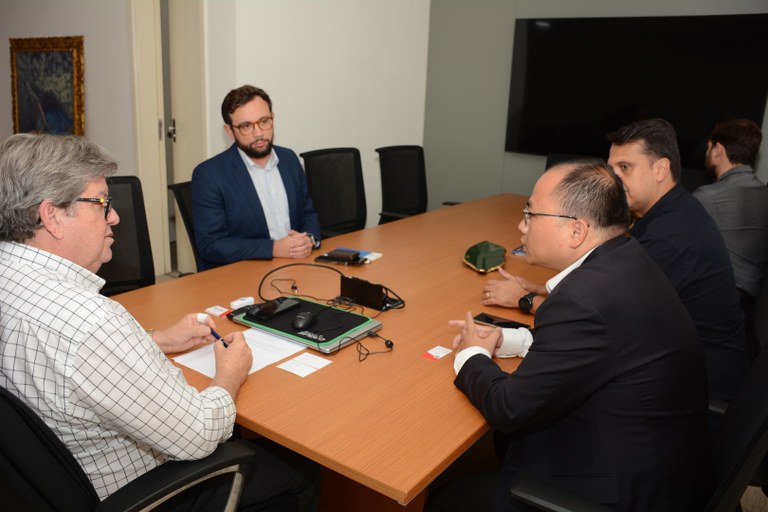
x,y
527,214
265,123
105,201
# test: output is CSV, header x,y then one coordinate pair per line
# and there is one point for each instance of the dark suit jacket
x,y
229,219
610,402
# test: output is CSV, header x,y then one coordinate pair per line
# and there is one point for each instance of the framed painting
x,y
47,85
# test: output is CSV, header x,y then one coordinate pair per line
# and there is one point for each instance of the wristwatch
x,y
526,302
315,241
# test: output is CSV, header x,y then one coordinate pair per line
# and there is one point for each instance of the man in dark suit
x,y
251,201
610,400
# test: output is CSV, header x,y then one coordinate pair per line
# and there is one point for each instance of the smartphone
x,y
270,309
497,321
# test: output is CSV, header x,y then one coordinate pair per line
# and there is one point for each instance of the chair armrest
x,y
175,475
544,496
717,407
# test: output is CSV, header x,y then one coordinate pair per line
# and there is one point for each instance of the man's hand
x,y
472,334
232,363
507,291
186,333
294,245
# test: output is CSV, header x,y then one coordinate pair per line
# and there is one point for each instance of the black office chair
x,y
38,472
739,446
759,340
182,192
335,181
403,182
131,266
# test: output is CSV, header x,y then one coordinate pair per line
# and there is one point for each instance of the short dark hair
x,y
236,98
659,140
741,139
591,190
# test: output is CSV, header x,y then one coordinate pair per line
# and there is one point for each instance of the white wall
x,y
107,55
340,73
470,61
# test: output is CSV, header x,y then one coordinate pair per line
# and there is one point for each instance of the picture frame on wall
x,y
47,85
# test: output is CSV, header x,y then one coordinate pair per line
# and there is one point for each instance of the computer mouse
x,y
304,320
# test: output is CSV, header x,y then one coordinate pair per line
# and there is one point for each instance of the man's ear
x,y
50,218
229,131
579,230
661,169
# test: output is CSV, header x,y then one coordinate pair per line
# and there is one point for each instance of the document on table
x,y
266,348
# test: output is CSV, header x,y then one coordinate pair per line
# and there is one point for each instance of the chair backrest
x,y
131,266
760,320
335,182
182,192
403,180
37,472
741,440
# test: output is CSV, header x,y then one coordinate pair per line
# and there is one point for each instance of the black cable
x,y
281,267
363,352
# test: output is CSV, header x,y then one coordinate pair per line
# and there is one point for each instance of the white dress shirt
x,y
271,191
94,375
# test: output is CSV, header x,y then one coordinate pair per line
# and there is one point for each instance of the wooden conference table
x,y
395,421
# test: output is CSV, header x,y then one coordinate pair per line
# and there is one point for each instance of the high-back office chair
x,y
739,446
131,266
335,181
182,192
38,472
403,182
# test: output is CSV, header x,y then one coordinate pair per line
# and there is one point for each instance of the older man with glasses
x,y
252,201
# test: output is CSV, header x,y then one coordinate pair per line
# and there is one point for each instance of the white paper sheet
x,y
266,349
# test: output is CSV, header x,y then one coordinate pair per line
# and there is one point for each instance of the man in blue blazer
x,y
251,201
610,401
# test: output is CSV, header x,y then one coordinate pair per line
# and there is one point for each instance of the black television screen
x,y
574,80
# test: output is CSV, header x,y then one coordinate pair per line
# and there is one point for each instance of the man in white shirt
x,y
99,380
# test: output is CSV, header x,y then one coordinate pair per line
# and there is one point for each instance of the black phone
x,y
497,321
270,309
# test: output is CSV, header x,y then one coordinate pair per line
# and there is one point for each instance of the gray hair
x,y
590,190
34,168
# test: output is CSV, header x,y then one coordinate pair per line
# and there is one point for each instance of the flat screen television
x,y
574,80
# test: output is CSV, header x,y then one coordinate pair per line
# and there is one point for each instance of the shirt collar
x,y
71,271
553,282
250,164
739,169
668,199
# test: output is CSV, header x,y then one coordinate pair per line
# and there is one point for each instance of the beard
x,y
253,152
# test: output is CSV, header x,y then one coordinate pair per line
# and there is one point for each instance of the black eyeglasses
x,y
265,123
527,214
106,201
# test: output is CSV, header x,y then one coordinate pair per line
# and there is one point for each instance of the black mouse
x,y
304,320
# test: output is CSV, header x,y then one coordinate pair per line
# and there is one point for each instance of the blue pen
x,y
216,335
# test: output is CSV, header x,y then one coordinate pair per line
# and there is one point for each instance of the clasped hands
x,y
472,335
294,245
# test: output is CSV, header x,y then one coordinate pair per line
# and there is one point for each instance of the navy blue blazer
x,y
610,403
228,216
